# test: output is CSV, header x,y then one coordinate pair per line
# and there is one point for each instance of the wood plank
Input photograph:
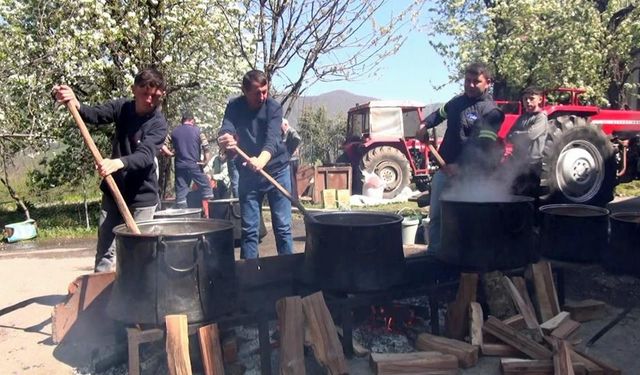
x,y
428,363
512,337
553,323
606,368
230,348
515,366
516,322
500,350
548,305
322,334
178,359
527,313
521,285
586,310
562,358
82,293
210,350
476,319
291,325
456,326
467,354
591,367
565,329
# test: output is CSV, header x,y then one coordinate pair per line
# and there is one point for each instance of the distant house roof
x,y
390,103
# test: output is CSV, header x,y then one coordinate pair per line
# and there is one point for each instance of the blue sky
x,y
411,74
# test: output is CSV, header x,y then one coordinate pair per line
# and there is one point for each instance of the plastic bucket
x,y
409,230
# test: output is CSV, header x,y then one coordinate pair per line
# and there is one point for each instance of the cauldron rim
x,y
509,199
393,218
594,211
122,230
626,216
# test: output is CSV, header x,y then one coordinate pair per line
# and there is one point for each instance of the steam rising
x,y
484,177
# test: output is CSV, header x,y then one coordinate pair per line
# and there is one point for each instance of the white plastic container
x,y
409,230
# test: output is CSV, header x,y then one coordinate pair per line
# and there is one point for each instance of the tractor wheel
x,y
391,165
578,163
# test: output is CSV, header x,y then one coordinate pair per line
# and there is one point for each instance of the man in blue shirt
x,y
188,141
252,123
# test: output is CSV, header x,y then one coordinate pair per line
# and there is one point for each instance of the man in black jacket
x,y
140,130
472,118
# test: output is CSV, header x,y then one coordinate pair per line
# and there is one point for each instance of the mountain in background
x,y
337,103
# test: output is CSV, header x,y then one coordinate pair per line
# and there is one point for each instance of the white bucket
x,y
409,230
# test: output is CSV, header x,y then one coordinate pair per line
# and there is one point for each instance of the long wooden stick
x,y
437,155
122,206
281,188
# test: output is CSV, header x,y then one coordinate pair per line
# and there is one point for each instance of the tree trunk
x,y
12,193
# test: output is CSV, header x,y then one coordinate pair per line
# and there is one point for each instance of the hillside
x,y
337,103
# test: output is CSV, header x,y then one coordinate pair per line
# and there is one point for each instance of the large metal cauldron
x,y
488,235
172,213
624,245
354,251
176,266
229,209
574,232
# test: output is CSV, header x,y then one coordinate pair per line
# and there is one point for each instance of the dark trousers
x,y
109,218
293,167
184,176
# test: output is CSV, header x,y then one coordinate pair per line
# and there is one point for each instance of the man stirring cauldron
x,y
252,122
473,119
140,130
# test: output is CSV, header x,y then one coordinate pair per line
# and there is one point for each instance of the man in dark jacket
x,y
472,117
252,123
140,130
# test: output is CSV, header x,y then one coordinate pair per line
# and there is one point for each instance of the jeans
x,y
109,218
438,184
252,189
293,165
184,175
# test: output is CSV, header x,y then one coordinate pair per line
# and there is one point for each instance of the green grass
x,y
629,189
59,220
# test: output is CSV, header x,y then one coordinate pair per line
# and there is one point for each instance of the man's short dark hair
x,y
254,76
532,90
150,77
187,115
479,68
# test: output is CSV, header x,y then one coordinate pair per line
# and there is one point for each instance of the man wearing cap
x,y
188,141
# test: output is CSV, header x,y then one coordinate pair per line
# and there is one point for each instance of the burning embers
x,y
391,327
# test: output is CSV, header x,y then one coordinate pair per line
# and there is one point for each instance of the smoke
x,y
485,176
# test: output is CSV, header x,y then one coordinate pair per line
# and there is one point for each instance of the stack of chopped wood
x,y
307,321
525,345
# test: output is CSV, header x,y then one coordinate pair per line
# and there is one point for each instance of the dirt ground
x,y
35,276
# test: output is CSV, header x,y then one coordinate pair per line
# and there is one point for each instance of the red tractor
x,y
589,149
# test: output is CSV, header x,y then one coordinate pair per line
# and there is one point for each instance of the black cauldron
x,y
176,266
624,243
353,251
574,232
488,235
